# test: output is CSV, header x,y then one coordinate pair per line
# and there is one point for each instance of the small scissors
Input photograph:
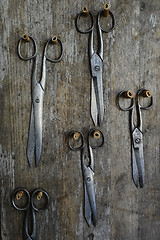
x,y
37,93
96,61
138,171
30,207
76,143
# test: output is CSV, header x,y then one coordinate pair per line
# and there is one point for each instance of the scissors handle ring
x,y
118,102
61,54
113,22
82,144
140,91
91,133
13,201
35,49
92,24
47,197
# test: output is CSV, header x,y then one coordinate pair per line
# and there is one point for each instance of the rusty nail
x,y
96,134
147,93
19,194
54,39
129,94
76,135
85,11
26,37
39,196
106,10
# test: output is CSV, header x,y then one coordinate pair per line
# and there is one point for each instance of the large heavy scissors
x,y
138,171
76,143
96,61
37,93
23,201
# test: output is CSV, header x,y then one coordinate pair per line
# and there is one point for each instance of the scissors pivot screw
x,y
97,68
88,179
37,100
138,140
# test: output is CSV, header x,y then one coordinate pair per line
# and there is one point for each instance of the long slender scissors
x,y
28,205
138,171
76,143
96,61
37,93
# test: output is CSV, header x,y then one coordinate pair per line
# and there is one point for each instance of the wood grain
x,y
131,61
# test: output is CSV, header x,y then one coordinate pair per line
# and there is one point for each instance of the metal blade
x,y
88,179
134,168
99,98
97,89
88,212
31,140
38,94
140,166
94,110
137,139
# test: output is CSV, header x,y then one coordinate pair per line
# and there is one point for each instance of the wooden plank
x,y
131,61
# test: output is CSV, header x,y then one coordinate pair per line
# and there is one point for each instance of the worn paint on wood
x,y
131,61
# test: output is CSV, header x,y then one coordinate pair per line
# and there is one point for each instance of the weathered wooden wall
x,y
131,61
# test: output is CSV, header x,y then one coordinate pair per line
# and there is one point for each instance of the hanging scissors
x,y
138,171
23,201
37,93
76,143
96,61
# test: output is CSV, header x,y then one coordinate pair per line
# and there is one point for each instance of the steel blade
x,y
137,140
97,89
134,168
88,212
38,111
88,178
31,140
94,110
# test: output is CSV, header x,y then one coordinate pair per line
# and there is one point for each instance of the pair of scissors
x,y
96,61
138,171
76,143
22,200
37,93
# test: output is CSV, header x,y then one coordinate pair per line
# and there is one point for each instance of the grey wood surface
x,y
131,61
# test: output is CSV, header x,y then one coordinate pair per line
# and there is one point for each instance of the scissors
x,y
96,61
37,93
138,171
76,143
30,207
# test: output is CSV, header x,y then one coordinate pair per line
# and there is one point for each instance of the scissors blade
x,y
88,212
31,139
134,168
38,94
138,157
94,110
89,182
97,106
